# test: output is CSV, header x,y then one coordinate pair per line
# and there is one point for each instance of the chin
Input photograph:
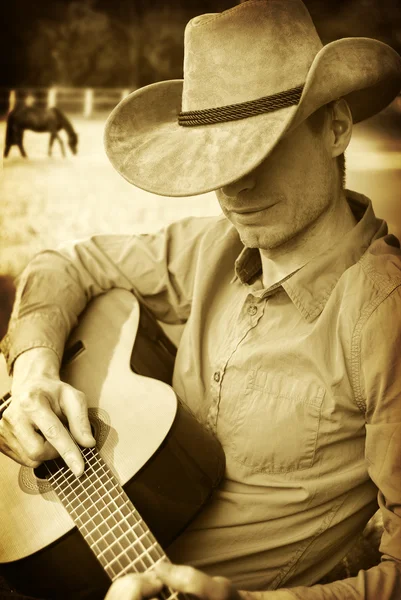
x,y
263,239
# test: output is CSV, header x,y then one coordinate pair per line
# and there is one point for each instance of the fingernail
x,y
76,468
88,435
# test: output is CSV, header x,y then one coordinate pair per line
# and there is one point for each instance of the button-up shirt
x,y
301,383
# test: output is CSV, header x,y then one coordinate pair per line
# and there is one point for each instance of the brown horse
x,y
40,120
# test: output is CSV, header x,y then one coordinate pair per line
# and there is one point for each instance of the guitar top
x,y
131,415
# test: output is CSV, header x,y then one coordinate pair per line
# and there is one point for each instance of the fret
x,y
117,541
72,495
128,569
119,528
77,498
141,557
106,518
133,547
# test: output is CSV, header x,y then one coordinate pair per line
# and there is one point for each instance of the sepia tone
x,y
84,58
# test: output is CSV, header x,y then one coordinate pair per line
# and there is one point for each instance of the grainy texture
x,y
44,201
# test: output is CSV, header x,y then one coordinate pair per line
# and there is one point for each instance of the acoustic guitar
x,y
152,470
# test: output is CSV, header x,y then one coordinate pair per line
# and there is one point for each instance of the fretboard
x,y
4,402
105,516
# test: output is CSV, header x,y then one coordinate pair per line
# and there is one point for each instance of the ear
x,y
340,127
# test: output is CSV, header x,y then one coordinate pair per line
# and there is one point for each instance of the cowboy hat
x,y
251,73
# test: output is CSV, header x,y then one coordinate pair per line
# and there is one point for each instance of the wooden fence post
x,y
88,102
12,98
51,97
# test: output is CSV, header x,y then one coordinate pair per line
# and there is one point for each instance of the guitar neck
x,y
4,402
107,519
105,516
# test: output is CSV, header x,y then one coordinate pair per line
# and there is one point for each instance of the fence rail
x,y
84,101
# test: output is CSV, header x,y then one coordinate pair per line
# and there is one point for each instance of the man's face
x,y
286,194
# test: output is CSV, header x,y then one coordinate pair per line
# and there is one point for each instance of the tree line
x,y
130,43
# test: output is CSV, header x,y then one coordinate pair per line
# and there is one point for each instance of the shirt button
x,y
252,310
216,376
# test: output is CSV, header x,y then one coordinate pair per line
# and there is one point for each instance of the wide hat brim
x,y
148,147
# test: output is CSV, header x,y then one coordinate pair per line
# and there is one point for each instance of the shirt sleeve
x,y
377,353
57,285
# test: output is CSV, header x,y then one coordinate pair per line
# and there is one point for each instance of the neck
x,y
67,125
328,230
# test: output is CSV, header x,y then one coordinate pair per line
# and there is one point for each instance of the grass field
x,y
45,201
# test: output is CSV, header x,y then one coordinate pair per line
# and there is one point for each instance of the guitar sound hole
x,y
48,468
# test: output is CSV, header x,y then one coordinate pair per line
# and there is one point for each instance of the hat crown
x,y
256,49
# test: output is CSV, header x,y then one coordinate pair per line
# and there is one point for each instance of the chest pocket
x,y
278,423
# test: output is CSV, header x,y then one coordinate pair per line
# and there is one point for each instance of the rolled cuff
x,y
33,331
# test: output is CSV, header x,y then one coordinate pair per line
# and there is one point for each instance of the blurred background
x,y
84,57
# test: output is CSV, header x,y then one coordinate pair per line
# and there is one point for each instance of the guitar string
x,y
118,540
110,517
120,496
142,555
145,533
167,593
109,567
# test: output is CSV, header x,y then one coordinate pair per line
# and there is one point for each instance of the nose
x,y
240,185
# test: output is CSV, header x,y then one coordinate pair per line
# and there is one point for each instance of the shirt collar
x,y
310,286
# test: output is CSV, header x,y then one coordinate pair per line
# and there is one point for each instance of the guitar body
x,y
167,463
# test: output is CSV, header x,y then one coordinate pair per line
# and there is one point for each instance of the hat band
x,y
242,110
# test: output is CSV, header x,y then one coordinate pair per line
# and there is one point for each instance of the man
x,y
289,352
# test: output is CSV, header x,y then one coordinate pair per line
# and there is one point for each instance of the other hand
x,y
177,577
186,580
33,427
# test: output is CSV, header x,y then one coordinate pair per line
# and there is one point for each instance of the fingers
x,y
183,579
135,587
19,433
74,407
19,440
15,451
191,581
59,437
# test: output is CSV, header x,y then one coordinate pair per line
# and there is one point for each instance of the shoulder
x,y
374,282
381,264
376,336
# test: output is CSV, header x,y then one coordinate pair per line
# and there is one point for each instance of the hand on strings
x,y
34,426
186,580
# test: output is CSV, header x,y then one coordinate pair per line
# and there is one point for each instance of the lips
x,y
249,211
